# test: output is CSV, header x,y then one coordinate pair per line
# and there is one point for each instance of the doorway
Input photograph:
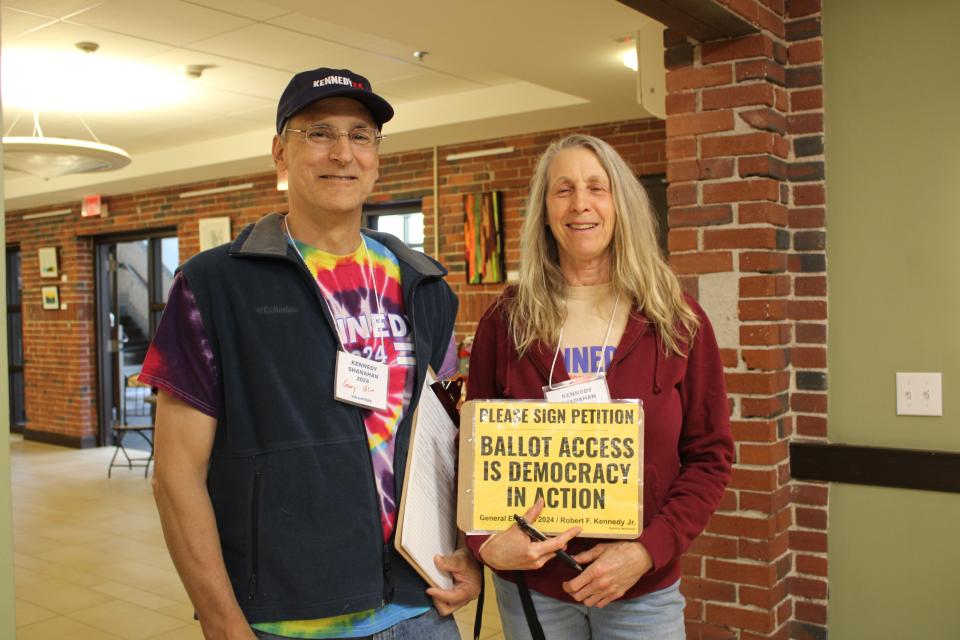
x,y
133,279
18,414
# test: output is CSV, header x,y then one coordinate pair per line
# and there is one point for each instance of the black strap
x,y
478,617
529,612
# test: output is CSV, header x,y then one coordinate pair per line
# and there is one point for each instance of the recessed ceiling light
x,y
70,81
629,58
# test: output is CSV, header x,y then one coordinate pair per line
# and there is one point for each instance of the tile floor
x,y
89,558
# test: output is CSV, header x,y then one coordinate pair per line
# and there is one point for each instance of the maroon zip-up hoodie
x,y
688,450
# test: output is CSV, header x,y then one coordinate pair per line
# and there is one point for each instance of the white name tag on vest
x,y
361,382
592,390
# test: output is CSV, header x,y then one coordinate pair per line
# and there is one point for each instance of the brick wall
x,y
60,346
747,215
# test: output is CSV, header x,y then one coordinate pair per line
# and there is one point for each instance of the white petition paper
x,y
430,510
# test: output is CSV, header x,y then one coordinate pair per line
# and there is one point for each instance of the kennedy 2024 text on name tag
x,y
361,382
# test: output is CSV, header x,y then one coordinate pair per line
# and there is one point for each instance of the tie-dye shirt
x,y
363,294
352,286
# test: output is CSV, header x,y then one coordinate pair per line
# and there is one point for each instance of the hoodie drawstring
x,y
656,369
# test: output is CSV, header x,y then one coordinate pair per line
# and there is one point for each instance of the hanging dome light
x,y
54,157
122,85
47,158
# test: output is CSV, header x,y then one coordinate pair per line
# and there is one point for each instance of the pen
x,y
536,535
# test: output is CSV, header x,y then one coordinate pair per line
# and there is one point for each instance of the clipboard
x,y
424,513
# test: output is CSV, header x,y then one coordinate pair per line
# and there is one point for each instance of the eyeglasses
x,y
325,136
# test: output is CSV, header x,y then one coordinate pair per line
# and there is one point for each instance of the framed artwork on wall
x,y
51,297
214,232
48,262
483,237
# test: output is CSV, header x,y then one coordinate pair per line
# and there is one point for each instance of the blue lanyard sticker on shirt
x,y
590,390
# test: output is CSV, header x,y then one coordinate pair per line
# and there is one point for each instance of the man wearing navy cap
x,y
288,365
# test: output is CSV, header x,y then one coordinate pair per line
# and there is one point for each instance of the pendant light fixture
x,y
49,157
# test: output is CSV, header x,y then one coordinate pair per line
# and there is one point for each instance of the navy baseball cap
x,y
309,86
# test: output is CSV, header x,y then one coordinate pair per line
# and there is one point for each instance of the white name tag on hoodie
x,y
592,390
361,382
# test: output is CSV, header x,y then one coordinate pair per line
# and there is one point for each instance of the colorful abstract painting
x,y
483,235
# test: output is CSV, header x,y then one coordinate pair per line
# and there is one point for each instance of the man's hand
x,y
513,549
615,568
466,581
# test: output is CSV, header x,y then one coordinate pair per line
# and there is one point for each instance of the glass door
x,y
134,276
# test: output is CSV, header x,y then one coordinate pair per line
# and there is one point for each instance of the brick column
x,y
746,234
807,264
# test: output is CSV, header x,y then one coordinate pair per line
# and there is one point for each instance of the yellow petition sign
x,y
584,460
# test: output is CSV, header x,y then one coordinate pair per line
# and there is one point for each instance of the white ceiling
x,y
495,67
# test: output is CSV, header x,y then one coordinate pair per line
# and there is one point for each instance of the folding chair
x,y
122,428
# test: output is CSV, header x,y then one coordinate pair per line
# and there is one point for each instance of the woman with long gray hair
x,y
597,304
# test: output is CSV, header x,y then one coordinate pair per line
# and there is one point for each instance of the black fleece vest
x,y
290,476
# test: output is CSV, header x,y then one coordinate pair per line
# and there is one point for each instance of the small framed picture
x,y
214,232
48,262
51,297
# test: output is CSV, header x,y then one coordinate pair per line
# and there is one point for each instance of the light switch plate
x,y
919,394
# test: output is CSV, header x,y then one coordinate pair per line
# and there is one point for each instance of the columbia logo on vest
x,y
273,309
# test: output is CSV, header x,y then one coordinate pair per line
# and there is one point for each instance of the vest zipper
x,y
255,535
387,594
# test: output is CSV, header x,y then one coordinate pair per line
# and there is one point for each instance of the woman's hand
x,y
513,549
614,568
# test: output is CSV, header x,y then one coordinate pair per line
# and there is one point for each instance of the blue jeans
x,y
429,626
654,616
